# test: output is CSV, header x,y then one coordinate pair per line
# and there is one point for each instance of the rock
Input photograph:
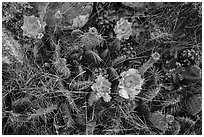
x,y
71,15
11,49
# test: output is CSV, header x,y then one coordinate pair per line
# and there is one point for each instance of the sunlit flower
x,y
130,84
101,88
32,26
123,29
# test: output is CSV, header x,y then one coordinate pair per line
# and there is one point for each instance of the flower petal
x,y
123,93
133,93
99,94
106,97
94,87
133,71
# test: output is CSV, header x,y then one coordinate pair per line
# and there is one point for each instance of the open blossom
x,y
101,88
32,26
123,29
130,84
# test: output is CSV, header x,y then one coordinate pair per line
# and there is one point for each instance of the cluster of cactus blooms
x,y
123,29
33,27
130,84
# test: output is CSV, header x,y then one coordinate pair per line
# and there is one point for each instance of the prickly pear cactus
x,y
91,39
159,121
194,104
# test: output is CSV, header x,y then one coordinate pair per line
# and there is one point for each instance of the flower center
x,y
123,30
103,88
131,81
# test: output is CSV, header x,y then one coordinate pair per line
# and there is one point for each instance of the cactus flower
x,y
130,84
123,29
33,27
101,88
